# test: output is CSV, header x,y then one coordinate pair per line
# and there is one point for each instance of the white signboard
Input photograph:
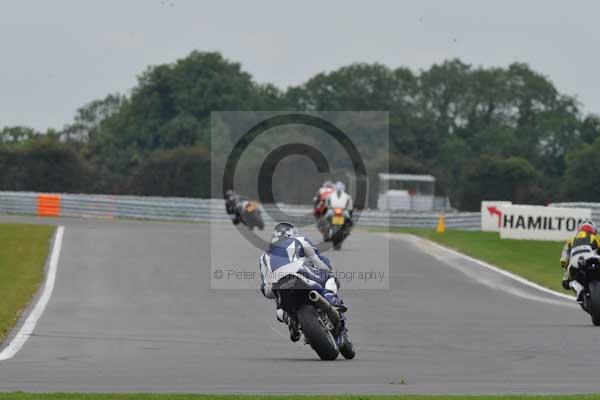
x,y
491,215
541,223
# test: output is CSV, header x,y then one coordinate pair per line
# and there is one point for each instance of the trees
x,y
452,116
89,118
170,107
15,135
582,178
483,132
513,178
365,87
176,172
171,104
44,165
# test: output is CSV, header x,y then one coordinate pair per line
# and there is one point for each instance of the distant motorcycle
x,y
335,226
588,274
250,214
321,325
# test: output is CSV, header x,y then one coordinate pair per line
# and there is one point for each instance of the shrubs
x,y
181,172
44,166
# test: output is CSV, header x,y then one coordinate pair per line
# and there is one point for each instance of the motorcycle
x,y
335,226
321,325
588,274
250,214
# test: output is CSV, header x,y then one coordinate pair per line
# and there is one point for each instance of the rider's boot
x,y
284,318
294,330
281,315
566,280
332,284
578,288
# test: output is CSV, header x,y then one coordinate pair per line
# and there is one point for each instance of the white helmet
x,y
340,187
284,229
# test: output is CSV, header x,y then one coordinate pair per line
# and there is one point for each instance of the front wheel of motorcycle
x,y
320,339
595,302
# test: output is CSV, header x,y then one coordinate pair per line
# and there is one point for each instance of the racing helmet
x,y
588,226
286,229
328,184
340,187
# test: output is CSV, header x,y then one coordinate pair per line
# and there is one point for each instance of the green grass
x,y
537,261
100,396
23,252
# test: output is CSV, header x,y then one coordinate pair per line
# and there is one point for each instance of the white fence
x,y
198,210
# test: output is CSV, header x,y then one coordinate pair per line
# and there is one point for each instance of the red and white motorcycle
x,y
336,223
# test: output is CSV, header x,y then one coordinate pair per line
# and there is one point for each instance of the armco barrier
x,y
595,207
198,210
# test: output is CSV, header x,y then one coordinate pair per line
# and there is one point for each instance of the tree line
x,y
485,133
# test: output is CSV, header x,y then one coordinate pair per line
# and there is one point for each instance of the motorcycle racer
x,y
340,199
286,247
232,201
584,241
320,200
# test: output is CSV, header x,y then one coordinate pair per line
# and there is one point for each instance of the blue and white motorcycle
x,y
301,296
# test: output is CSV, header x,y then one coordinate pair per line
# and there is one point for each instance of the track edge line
x,y
26,330
494,268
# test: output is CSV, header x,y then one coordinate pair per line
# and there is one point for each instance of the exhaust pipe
x,y
324,305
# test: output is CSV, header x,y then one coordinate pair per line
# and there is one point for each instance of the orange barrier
x,y
48,205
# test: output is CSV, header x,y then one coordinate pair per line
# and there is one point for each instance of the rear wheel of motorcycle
x,y
320,339
337,238
347,348
595,302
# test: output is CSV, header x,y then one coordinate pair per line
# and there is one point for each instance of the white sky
x,y
57,55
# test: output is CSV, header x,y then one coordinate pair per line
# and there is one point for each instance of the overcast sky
x,y
58,55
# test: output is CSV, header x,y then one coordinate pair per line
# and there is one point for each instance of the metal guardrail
x,y
595,207
199,210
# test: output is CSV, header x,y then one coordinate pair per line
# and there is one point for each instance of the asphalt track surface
x,y
133,311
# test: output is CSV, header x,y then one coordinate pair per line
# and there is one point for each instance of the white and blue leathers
x,y
284,251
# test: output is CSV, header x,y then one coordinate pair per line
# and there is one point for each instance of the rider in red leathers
x,y
320,200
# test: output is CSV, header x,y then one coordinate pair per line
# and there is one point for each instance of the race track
x,y
133,311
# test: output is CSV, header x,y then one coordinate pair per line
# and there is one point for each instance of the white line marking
x,y
29,325
484,264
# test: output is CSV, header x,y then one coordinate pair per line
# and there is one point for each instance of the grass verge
x,y
132,396
537,261
23,252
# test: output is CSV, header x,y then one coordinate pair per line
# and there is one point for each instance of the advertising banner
x,y
541,223
491,215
